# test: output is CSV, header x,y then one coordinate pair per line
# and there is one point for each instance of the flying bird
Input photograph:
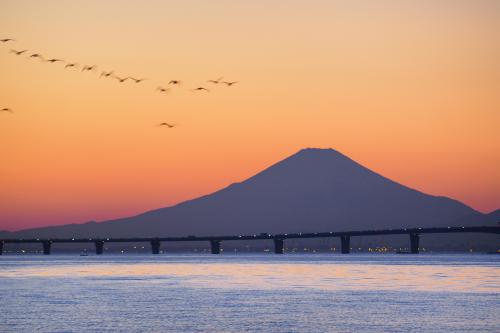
x,y
7,110
53,60
201,88
229,84
162,90
137,80
88,68
17,52
121,80
177,82
216,81
5,40
168,125
37,55
106,74
71,65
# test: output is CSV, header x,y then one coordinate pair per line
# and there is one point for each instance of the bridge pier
x,y
278,245
1,247
155,246
99,246
46,247
345,244
414,241
215,246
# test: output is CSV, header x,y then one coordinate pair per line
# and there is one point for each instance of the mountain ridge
x,y
312,190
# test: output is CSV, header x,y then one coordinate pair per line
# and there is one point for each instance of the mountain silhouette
x,y
313,190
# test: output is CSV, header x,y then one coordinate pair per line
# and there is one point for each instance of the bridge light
x,y
72,239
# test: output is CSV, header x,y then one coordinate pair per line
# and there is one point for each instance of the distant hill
x,y
312,190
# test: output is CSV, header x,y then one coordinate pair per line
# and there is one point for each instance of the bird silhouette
x,y
120,79
17,52
168,125
137,80
53,60
5,40
200,89
71,65
37,55
229,84
215,81
88,68
106,74
7,110
175,82
162,90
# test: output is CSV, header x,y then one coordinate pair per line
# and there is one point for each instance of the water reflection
x,y
265,274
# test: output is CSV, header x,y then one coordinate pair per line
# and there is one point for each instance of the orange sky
x,y
410,89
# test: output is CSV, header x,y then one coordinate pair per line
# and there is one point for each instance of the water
x,y
250,293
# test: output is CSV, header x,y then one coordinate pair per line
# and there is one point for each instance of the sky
x,y
409,89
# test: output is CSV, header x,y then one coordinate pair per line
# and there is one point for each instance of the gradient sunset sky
x,y
409,89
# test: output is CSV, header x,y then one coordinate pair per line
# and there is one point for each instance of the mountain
x,y
492,218
313,190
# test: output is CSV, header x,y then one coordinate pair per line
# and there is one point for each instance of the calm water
x,y
250,293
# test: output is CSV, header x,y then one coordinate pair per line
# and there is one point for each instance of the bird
x,y
215,81
168,125
5,40
70,65
37,55
7,110
229,84
121,80
17,52
177,82
53,60
137,80
162,90
201,88
106,74
88,68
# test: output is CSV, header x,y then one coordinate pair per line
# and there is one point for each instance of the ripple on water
x,y
291,293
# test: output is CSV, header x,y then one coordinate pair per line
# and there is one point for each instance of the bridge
x,y
278,239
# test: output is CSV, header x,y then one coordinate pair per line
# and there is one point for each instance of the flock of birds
x,y
111,74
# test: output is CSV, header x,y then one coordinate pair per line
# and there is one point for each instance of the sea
x,y
310,292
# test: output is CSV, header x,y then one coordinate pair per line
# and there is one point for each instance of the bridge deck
x,y
404,231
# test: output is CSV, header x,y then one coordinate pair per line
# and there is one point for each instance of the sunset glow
x,y
410,89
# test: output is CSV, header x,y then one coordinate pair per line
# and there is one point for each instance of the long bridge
x,y
278,239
